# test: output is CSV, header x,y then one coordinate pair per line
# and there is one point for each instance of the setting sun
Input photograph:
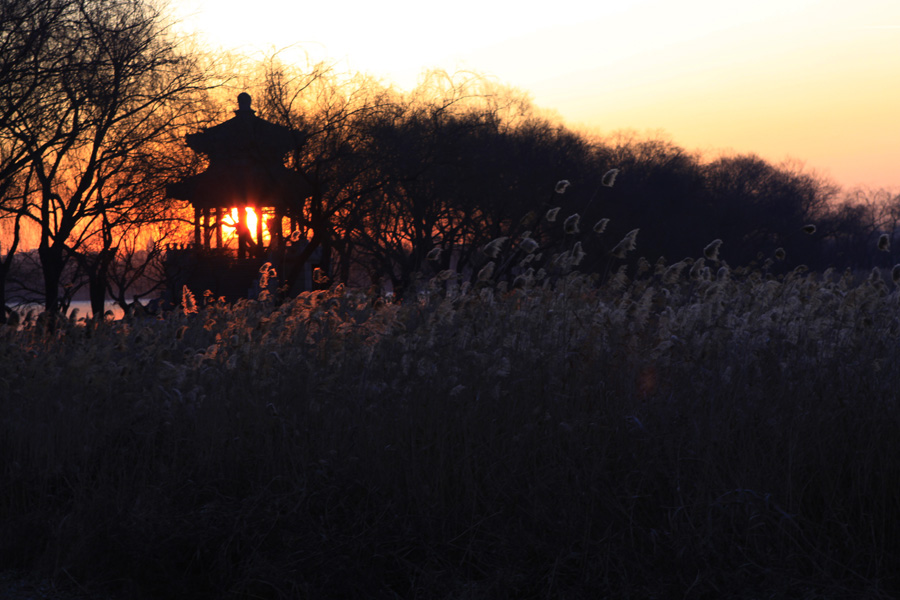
x,y
231,220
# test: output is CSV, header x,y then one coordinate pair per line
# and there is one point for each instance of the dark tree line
x,y
96,96
461,161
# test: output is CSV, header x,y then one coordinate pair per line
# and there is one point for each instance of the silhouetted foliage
x,y
92,109
460,176
460,161
405,184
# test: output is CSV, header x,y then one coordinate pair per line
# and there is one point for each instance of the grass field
x,y
675,431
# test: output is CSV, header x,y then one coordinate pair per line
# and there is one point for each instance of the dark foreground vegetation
x,y
683,430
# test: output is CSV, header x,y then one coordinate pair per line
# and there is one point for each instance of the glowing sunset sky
x,y
815,80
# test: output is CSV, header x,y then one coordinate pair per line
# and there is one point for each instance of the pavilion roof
x,y
246,164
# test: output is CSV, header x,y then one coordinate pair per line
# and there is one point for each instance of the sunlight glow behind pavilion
x,y
232,219
808,79
246,186
247,194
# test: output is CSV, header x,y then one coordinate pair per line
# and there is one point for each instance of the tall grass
x,y
678,431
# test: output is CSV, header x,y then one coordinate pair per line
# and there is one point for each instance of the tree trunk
x,y
97,287
2,296
5,266
52,266
97,283
296,269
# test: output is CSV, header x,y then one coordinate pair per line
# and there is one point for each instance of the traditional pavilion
x,y
246,170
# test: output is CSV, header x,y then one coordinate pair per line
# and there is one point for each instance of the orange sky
x,y
814,80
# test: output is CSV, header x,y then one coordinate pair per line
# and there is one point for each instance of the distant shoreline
x,y
83,306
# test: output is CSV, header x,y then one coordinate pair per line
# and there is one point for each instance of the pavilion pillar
x,y
197,238
243,233
278,230
206,231
218,227
260,215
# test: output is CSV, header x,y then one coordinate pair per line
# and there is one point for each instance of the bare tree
x,y
138,269
27,55
330,115
464,162
110,86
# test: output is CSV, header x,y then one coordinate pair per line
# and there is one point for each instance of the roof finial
x,y
244,101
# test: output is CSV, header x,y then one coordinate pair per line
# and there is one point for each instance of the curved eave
x,y
244,134
242,186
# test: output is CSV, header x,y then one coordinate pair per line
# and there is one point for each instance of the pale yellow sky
x,y
814,80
